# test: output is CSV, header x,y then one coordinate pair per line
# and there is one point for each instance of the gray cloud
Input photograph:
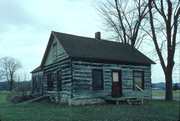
x,y
25,26
13,13
15,16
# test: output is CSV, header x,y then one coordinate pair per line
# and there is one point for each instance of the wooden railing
x,y
137,87
139,93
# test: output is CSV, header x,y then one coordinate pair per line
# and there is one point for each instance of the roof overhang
x,y
110,61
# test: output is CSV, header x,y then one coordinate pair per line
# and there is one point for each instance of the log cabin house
x,y
80,70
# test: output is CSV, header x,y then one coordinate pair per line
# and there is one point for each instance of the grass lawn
x,y
42,111
161,93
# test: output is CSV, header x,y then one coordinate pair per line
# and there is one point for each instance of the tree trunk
x,y
133,42
11,86
169,93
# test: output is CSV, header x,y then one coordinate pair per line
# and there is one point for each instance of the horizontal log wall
x,y
37,83
82,79
77,81
65,67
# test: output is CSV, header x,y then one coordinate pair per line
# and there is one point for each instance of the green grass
x,y
161,93
42,111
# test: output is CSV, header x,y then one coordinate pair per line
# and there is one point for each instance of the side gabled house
x,y
81,70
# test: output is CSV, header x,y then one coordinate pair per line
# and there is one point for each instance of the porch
x,y
137,98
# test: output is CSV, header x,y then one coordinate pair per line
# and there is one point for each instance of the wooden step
x,y
134,101
129,100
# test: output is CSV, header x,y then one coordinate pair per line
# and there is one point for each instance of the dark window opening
x,y
33,84
54,52
138,79
49,82
97,79
59,81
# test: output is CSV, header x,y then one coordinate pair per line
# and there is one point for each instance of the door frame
x,y
120,82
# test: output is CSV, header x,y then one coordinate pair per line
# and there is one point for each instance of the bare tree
x,y
124,18
164,17
9,66
1,74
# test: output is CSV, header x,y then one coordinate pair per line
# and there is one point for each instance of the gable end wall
x,y
64,66
61,54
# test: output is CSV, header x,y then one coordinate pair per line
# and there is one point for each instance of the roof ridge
x,y
102,40
71,34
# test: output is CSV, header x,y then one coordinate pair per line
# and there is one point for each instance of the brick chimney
x,y
98,35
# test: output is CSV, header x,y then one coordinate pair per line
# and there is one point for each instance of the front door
x,y
116,83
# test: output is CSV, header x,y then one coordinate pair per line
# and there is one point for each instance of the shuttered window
x,y
138,79
97,79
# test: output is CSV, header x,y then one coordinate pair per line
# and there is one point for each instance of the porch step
x,y
129,100
134,101
117,100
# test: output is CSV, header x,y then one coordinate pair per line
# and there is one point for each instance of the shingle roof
x,y
102,50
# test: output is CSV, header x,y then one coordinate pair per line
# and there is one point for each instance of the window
x,y
138,79
59,81
54,52
33,84
49,82
115,76
97,79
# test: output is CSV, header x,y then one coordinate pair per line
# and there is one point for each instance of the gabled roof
x,y
91,49
100,50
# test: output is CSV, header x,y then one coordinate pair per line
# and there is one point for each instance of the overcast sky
x,y
25,27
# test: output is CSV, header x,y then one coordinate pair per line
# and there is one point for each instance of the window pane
x,y
115,77
138,81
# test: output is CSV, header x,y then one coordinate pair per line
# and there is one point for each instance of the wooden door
x,y
116,83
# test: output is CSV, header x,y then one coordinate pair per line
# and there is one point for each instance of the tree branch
x,y
120,20
154,36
